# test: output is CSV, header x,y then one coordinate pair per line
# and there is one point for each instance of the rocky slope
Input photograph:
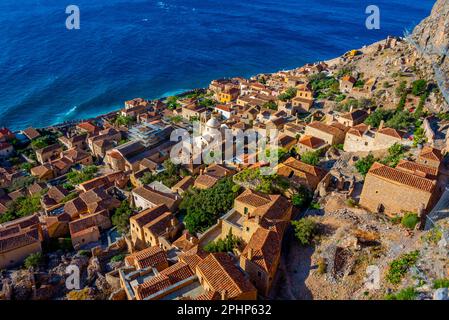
x,y
431,39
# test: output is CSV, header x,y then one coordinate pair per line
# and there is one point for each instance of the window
x,y
247,229
245,210
259,274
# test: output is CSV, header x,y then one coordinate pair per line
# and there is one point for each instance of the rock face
x,y
431,39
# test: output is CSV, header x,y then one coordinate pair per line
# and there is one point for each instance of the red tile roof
x,y
221,274
401,177
265,247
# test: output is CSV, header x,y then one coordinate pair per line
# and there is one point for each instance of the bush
x,y
322,266
118,258
363,165
120,218
441,283
311,157
405,294
223,245
419,87
410,220
399,267
301,199
85,174
85,253
204,207
305,229
34,260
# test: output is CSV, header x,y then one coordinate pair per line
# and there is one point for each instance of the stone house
x,y
410,187
332,134
48,153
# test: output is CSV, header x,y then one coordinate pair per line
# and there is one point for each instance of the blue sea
x,y
136,48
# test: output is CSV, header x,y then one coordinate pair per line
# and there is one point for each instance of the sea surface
x,y
136,48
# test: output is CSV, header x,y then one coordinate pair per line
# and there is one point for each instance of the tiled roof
x,y
333,130
155,197
149,257
413,167
431,154
358,130
221,274
148,215
167,277
159,225
19,240
253,199
401,177
185,242
184,184
392,133
206,181
265,247
357,114
311,141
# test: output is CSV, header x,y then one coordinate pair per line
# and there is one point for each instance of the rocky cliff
x,y
431,39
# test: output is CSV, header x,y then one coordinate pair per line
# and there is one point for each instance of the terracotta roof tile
x,y
401,177
221,274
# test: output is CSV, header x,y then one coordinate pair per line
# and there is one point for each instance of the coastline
x,y
60,125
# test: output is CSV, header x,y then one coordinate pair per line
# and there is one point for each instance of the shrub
x,y
322,266
311,157
399,267
121,216
363,165
223,245
410,220
315,206
34,260
419,87
301,199
441,283
85,253
204,207
305,229
405,294
118,258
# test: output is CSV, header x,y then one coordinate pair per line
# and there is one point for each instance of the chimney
x,y
311,119
224,295
351,109
381,125
191,239
250,253
173,222
257,218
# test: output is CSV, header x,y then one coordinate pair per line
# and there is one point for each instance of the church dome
x,y
213,123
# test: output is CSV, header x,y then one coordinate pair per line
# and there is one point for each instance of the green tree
x,y
311,157
204,207
270,105
377,116
121,216
305,229
34,260
302,198
410,220
395,154
401,120
223,245
76,177
364,164
172,103
122,120
289,94
419,87
399,267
